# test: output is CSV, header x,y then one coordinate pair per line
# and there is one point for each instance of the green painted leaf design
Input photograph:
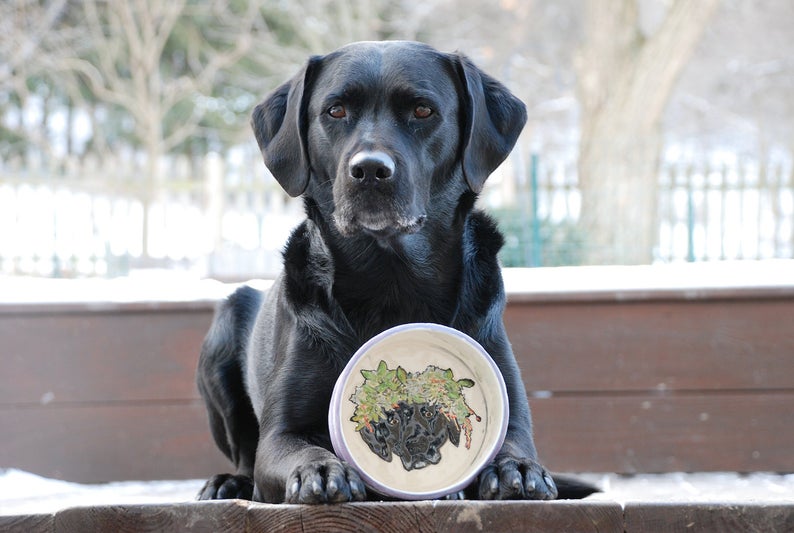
x,y
383,389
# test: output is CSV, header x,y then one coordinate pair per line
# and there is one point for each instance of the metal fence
x,y
706,211
226,217
715,212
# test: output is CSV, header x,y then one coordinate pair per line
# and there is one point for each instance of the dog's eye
x,y
337,111
422,111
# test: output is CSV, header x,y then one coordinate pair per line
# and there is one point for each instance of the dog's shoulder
x,y
308,265
481,289
482,239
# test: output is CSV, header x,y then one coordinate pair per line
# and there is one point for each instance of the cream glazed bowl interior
x,y
419,411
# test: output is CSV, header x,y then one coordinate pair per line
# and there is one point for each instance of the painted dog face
x,y
413,432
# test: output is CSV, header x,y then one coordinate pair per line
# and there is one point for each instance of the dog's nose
x,y
371,166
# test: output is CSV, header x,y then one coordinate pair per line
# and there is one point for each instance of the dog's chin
x,y
378,226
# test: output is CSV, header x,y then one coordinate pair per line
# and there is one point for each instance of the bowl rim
x,y
335,429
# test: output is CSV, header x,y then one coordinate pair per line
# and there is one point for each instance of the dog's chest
x,y
374,305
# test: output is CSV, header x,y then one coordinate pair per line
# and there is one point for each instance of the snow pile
x,y
141,286
25,493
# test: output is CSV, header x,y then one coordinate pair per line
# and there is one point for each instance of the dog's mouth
x,y
378,225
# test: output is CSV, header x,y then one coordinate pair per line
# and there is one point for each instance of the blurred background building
x,y
659,130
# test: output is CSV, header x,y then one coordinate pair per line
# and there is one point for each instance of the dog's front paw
x,y
227,487
325,482
509,478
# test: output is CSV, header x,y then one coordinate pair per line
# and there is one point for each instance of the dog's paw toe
x,y
227,487
509,478
325,482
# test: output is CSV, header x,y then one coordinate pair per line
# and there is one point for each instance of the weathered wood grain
x,y
95,443
654,346
748,517
207,517
424,516
693,384
101,356
33,523
688,433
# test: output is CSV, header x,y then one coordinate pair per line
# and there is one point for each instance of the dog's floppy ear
x,y
280,125
453,432
492,120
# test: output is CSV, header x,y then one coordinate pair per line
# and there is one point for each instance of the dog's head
x,y
373,131
413,432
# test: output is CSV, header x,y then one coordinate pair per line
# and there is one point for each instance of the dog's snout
x,y
371,166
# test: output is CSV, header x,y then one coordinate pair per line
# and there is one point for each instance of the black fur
x,y
377,249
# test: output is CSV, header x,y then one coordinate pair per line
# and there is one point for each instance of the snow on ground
x,y
140,286
174,286
689,278
695,487
25,493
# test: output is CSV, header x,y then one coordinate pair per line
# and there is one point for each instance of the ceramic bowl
x,y
419,411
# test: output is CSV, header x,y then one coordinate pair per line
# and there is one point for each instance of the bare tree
x,y
625,77
119,57
28,31
24,26
161,62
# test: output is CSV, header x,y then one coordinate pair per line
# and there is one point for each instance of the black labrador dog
x,y
389,144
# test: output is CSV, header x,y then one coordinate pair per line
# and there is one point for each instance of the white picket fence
x,y
227,217
221,216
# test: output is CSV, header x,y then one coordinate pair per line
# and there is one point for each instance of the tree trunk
x,y
624,81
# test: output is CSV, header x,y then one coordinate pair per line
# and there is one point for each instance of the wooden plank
x,y
366,516
424,516
207,517
101,356
754,516
432,516
666,433
733,432
32,523
111,442
608,346
235,515
135,355
520,516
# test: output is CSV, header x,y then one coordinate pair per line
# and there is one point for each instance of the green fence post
x,y
690,253
535,246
